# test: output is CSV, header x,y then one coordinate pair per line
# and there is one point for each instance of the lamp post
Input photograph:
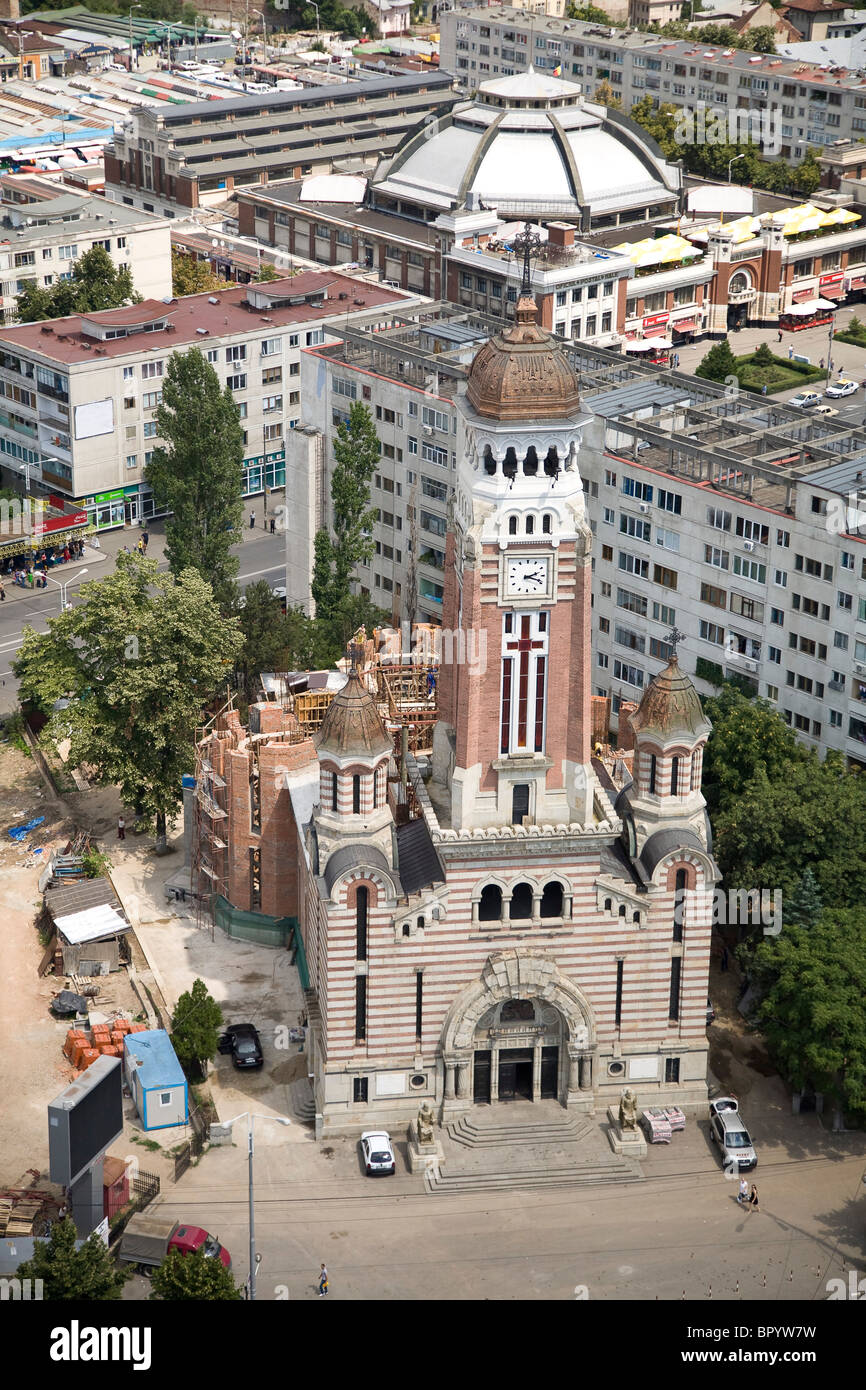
x,y
261,15
732,162
63,585
131,49
315,7
251,1119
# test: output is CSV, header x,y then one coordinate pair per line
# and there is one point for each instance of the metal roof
x,y
843,478
156,1058
639,395
417,857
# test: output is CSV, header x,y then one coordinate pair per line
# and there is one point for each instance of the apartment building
x,y
736,519
812,105
80,394
41,241
181,157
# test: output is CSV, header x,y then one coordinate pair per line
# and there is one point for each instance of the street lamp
x,y
63,585
314,6
732,162
131,49
261,15
251,1118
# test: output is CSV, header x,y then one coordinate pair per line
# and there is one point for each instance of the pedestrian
x,y
31,578
121,828
273,525
764,389
253,515
743,1194
66,555
2,591
821,364
323,1282
140,547
790,351
753,1202
780,335
146,538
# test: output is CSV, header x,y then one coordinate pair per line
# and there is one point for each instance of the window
x,y
672,1070
345,388
129,373
359,1090
68,253
653,773
490,904
669,540
631,487
165,1098
679,904
151,369
237,383
664,577
711,632
674,1003
271,403
752,531
151,399
608,515
150,429
835,719
617,1016
633,603
844,601
132,460
719,519
361,904
213,355
360,1008
774,654
609,478
633,564
716,557
670,501
635,526
271,347
783,538
630,675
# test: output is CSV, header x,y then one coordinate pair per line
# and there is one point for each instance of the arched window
x,y
675,775
520,907
608,904
361,897
420,924
551,462
635,917
490,906
547,523
356,795
334,791
679,903
652,776
512,526
489,460
509,466
530,525
530,463
551,900
375,789
622,909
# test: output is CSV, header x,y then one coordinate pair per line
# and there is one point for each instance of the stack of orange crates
x,y
88,1057
138,1028
75,1035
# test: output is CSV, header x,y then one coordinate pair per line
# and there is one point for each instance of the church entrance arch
x,y
523,1031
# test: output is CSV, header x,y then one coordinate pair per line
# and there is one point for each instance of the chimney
x,y
560,234
10,9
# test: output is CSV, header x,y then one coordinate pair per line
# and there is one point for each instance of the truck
x,y
147,1240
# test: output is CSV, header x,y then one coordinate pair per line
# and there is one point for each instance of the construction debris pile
x,y
84,1045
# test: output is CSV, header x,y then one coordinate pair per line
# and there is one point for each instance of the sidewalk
x,y
92,556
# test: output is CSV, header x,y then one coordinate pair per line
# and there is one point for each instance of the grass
x,y
857,336
779,375
149,1144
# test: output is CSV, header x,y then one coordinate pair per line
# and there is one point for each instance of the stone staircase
x,y
523,1147
303,1104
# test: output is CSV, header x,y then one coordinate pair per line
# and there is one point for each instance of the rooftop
x,y
197,317
158,1064
70,212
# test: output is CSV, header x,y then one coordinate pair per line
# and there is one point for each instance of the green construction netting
x,y
262,930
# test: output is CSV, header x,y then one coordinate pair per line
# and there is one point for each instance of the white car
x,y
804,400
826,411
377,1153
842,387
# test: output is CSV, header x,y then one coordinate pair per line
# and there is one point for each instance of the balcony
x,y
742,296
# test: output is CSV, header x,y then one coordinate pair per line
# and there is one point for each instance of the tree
x,y
749,738
592,14
189,276
267,272
96,284
139,657
87,1274
763,356
805,907
357,452
195,1277
807,175
718,364
266,635
197,475
196,1027
763,39
813,1013
604,95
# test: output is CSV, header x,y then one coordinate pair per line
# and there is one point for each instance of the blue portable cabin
x,y
155,1078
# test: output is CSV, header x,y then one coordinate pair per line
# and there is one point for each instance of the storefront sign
x,y
834,279
655,320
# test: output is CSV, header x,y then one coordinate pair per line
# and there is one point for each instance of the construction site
x,y
243,819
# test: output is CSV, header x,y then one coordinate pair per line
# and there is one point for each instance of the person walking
x,y
753,1201
790,351
121,828
2,591
780,335
323,1282
145,537
743,1194
252,520
273,525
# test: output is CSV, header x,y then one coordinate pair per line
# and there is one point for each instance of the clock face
x,y
527,577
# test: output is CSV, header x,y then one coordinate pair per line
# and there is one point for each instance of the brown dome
x,y
352,726
522,373
671,708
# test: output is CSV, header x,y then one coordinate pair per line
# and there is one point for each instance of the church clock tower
x,y
513,742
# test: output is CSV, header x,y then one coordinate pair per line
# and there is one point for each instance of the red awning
x,y
684,325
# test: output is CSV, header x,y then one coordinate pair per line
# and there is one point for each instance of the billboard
x,y
85,1120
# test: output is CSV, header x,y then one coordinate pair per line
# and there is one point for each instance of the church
x,y
536,925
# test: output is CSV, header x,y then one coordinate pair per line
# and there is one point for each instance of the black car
x,y
244,1044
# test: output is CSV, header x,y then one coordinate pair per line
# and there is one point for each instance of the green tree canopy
x,y
96,284
266,634
197,474
193,1278
267,272
88,1274
196,1026
139,657
804,908
189,276
356,450
749,738
813,1013
718,364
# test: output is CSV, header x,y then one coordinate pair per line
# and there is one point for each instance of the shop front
x,y
105,510
264,471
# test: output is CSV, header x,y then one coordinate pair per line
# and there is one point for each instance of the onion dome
x,y
523,373
671,708
352,726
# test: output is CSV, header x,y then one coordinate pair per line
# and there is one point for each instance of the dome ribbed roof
x,y
670,707
352,726
522,373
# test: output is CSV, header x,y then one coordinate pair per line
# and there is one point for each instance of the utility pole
x,y
131,48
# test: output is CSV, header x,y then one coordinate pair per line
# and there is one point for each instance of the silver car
x,y
729,1132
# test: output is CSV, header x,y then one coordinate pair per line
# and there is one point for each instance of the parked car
x,y
825,411
241,1041
377,1153
843,387
147,1240
729,1132
806,400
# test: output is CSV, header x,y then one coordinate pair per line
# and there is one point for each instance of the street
x,y
261,557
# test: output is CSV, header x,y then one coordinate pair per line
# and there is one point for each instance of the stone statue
x,y
425,1124
628,1110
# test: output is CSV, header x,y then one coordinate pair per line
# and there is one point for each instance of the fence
x,y
194,1146
143,1188
256,927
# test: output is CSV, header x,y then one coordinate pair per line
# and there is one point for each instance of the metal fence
x,y
195,1145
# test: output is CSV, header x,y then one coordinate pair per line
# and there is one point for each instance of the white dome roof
x,y
530,144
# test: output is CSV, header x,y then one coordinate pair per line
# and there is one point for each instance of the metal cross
x,y
527,243
672,638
